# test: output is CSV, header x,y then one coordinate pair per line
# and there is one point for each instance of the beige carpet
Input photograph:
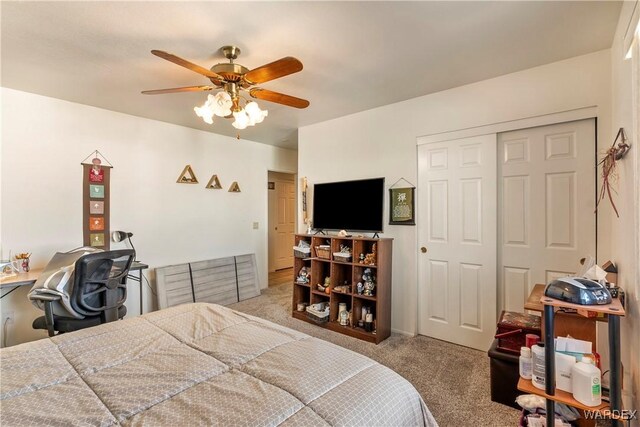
x,y
453,380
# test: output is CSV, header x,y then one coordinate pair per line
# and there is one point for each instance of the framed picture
x,y
402,210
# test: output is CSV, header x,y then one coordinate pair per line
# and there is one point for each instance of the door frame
x,y
268,224
590,112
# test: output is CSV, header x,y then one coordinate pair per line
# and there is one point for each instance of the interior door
x,y
458,237
546,206
285,224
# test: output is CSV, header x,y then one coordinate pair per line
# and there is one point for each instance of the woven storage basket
x,y
299,252
342,256
324,253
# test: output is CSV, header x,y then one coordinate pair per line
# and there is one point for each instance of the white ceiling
x,y
356,55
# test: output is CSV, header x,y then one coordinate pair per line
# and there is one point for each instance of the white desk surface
x,y
21,279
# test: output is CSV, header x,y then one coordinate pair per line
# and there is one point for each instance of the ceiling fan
x,y
234,79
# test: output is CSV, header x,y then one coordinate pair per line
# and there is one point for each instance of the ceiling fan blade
x,y
178,89
279,98
186,64
280,68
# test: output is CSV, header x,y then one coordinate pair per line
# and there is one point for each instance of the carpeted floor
x,y
453,380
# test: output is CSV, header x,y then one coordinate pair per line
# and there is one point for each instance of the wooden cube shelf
x,y
348,273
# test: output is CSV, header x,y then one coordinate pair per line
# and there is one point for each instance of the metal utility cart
x,y
613,312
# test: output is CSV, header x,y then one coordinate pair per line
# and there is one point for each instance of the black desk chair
x,y
99,292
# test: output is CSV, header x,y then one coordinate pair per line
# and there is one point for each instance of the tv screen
x,y
349,205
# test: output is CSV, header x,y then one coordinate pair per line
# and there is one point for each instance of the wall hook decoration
x,y
187,176
235,188
609,167
214,183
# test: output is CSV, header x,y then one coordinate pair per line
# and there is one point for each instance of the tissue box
x,y
571,345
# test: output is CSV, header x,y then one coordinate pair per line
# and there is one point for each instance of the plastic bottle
x,y
537,365
585,382
525,363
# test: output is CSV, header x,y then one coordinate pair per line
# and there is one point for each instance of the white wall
x,y
382,141
624,237
45,139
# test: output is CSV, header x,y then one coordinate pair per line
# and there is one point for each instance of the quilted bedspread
x,y
199,364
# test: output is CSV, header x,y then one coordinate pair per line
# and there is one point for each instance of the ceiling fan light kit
x,y
233,79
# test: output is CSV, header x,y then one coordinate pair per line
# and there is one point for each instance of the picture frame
x,y
402,208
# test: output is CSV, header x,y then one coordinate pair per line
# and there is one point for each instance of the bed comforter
x,y
199,364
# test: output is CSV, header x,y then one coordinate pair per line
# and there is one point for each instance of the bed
x,y
199,364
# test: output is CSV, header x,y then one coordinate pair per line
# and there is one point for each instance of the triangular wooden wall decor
x,y
214,183
187,176
235,188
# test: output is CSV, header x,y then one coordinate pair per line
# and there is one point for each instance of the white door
x,y
546,206
457,227
285,224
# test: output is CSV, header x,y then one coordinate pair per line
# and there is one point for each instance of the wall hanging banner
x,y
402,210
95,203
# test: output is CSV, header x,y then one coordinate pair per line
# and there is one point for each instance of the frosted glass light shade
x,y
222,104
241,120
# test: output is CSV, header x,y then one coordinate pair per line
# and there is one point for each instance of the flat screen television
x,y
349,205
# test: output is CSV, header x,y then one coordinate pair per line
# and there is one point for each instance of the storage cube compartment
x,y
337,245
301,251
319,271
358,271
366,248
341,276
321,247
301,294
336,299
358,304
298,263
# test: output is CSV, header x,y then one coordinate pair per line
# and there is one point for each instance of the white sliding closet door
x,y
457,228
546,205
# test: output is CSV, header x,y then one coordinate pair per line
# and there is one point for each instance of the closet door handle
x,y
423,250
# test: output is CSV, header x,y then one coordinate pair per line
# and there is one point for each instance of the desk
x,y
28,279
138,266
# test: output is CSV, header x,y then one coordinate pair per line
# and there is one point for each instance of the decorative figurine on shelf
x,y
360,288
344,317
369,282
327,284
303,276
368,321
361,258
346,288
370,259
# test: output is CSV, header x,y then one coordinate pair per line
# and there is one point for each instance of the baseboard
x,y
405,333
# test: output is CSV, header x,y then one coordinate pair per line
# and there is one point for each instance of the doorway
x,y
282,219
499,213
